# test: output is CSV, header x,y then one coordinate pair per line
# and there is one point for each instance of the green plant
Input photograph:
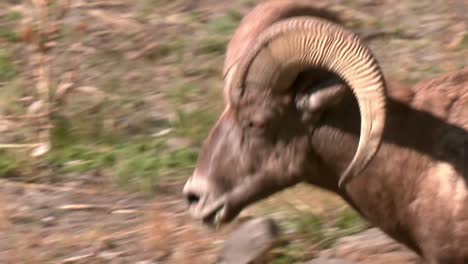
x,y
139,172
8,34
147,7
213,46
14,15
81,157
349,219
7,70
175,47
140,166
194,125
309,226
10,93
183,92
235,15
291,253
464,42
224,25
9,166
249,3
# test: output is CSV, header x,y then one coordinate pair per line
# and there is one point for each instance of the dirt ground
x,y
86,218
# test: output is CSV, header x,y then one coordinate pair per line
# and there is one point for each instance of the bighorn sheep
x,y
297,86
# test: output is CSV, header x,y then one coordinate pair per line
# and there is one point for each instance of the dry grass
x,y
173,238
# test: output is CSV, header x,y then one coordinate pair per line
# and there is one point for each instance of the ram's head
x,y
275,93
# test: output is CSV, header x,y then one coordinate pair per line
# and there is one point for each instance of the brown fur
x,y
398,191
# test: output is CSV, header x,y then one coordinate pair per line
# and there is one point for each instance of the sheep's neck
x,y
387,185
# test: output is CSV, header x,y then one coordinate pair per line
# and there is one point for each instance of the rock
x,y
48,221
250,242
370,247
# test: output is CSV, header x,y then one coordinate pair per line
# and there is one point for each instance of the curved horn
x,y
261,17
292,45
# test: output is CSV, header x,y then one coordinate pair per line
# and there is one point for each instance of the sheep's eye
x,y
255,124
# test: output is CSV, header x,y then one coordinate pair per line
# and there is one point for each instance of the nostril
x,y
192,199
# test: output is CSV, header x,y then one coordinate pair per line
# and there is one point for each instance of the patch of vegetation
x,y
10,93
141,168
81,158
14,15
349,219
309,226
7,70
196,16
182,92
225,25
325,230
194,125
216,46
433,70
235,15
9,165
309,233
8,34
464,42
165,50
374,23
291,253
138,166
249,3
147,7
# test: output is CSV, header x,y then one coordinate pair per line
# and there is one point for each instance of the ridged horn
x,y
292,45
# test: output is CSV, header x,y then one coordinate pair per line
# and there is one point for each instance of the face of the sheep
x,y
254,150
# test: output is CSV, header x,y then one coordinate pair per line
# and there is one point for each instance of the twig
x,y
124,211
374,34
99,4
47,187
12,146
77,258
13,117
76,207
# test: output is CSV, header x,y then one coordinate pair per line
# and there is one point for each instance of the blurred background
x,y
104,105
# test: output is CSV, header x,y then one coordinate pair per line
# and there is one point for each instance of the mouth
x,y
214,218
213,214
215,210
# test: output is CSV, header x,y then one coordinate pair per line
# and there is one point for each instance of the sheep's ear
x,y
321,98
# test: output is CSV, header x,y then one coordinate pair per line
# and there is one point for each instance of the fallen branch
x,y
381,33
76,207
77,258
39,115
39,186
12,146
125,211
99,4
